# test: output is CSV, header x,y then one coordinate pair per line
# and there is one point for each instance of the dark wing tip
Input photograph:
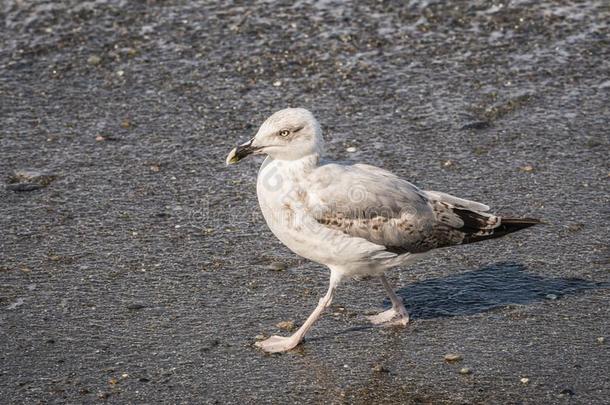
x,y
523,221
507,225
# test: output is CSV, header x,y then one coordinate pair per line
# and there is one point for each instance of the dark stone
x,y
28,180
478,125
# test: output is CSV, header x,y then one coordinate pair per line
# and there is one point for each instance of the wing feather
x,y
371,203
456,201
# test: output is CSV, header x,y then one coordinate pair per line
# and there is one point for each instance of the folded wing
x,y
371,203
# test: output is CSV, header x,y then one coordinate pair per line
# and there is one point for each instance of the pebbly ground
x,y
136,268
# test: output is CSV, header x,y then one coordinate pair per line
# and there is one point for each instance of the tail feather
x,y
478,226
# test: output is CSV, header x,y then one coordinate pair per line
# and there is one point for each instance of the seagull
x,y
358,220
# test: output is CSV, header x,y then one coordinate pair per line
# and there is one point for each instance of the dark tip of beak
x,y
241,152
244,150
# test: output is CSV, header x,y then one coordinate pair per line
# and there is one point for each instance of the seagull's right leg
x,y
395,316
284,343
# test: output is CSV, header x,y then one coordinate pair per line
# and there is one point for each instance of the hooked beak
x,y
241,152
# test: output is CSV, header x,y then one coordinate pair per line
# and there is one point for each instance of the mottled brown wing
x,y
371,203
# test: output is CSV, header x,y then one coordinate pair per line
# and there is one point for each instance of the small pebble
x,y
276,266
29,180
527,168
551,296
94,60
525,380
465,370
286,325
476,125
448,163
601,339
576,227
378,368
351,149
259,337
277,83
136,306
120,73
452,357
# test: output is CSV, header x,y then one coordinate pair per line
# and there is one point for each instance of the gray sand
x,y
136,268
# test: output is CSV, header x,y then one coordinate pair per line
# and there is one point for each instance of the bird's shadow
x,y
481,290
472,292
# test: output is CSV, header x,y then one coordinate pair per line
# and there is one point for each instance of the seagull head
x,y
289,134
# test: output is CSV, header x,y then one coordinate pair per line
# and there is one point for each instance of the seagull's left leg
x,y
281,343
395,316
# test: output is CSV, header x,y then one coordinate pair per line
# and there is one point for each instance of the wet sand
x,y
136,268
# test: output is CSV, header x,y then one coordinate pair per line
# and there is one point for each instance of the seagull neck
x,y
303,165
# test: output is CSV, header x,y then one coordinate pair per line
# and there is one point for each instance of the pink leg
x,y
395,316
284,343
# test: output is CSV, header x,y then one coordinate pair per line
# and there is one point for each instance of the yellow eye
x,y
284,132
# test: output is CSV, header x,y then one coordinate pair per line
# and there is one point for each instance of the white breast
x,y
278,197
283,200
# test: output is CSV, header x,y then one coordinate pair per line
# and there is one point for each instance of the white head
x,y
289,134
